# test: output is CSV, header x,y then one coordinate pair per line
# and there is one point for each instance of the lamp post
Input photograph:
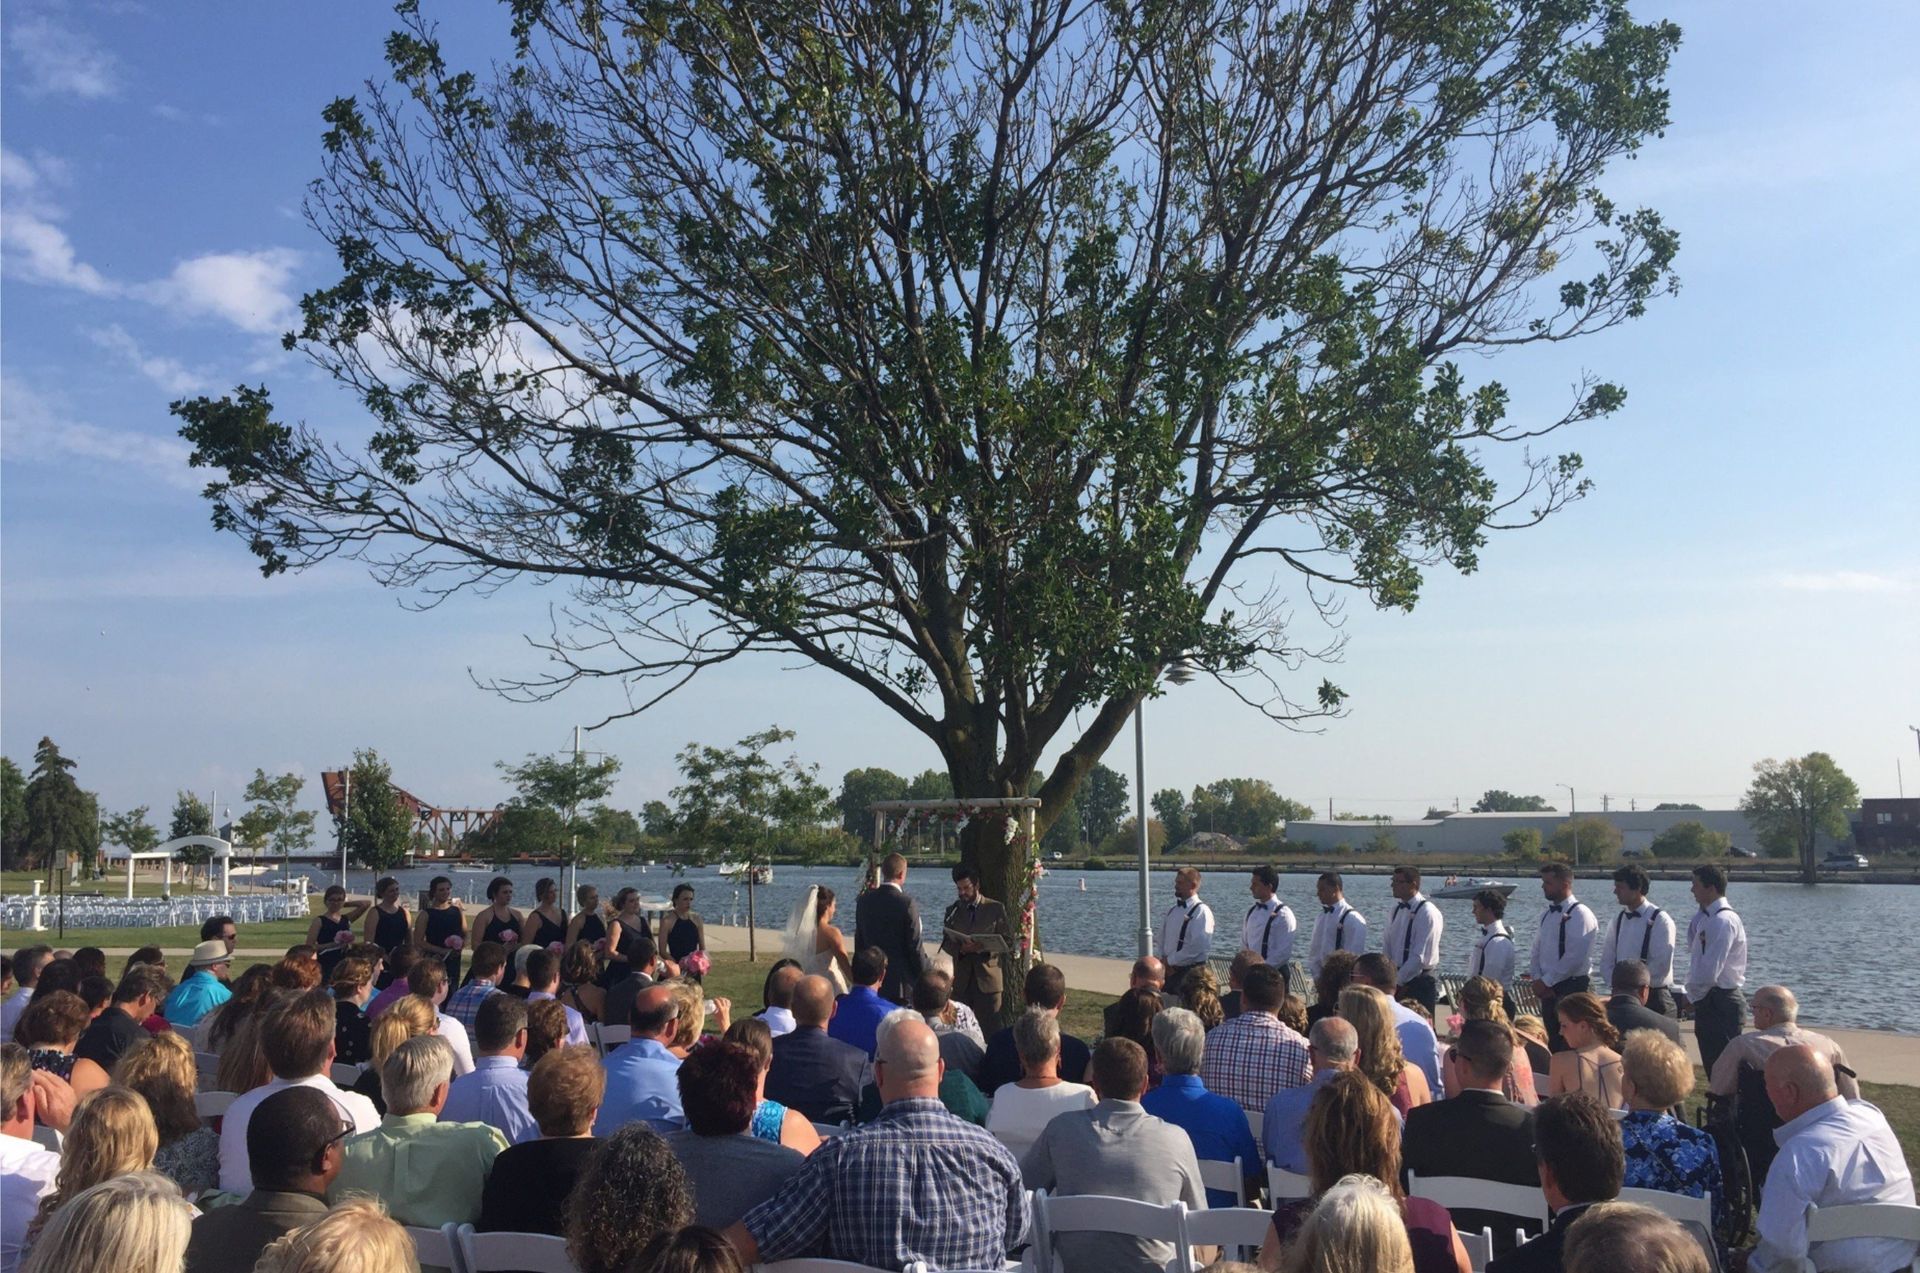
x,y
1179,672
1573,809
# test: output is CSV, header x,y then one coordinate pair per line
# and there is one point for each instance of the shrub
x,y
1691,840
1522,843
1094,864
1599,840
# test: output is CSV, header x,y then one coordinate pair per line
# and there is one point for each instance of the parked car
x,y
1737,851
1845,862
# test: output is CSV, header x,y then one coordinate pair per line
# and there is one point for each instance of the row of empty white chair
x,y
17,911
458,1248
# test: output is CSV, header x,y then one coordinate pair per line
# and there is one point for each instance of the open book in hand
x,y
990,943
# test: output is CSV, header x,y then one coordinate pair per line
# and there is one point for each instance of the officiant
x,y
978,937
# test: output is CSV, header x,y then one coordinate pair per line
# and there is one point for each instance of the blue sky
x,y
1744,582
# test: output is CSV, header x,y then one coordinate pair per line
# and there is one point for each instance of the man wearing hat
x,y
203,988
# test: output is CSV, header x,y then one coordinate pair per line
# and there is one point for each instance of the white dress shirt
x,y
1563,947
1642,932
1419,1045
455,1034
1838,1154
236,1169
1340,927
1413,938
1493,954
26,1174
12,1009
1269,931
1186,934
1716,950
576,1024
779,1020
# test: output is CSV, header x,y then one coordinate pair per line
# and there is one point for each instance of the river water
x,y
1844,949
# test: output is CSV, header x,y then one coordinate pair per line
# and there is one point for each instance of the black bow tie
x,y
1556,908
1404,906
1327,909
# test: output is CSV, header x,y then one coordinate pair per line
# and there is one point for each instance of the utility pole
x,y
346,811
1573,819
573,815
1606,803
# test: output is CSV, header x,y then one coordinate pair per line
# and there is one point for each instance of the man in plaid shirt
x,y
489,961
1253,1056
916,1184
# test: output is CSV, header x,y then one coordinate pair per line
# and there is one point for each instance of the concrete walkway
x,y
1879,1056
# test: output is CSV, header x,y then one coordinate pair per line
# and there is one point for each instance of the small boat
x,y
738,872
1457,887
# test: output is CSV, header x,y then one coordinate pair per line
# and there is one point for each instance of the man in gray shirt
x,y
1119,1150
732,1170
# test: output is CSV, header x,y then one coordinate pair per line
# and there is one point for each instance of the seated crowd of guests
x,y
850,1127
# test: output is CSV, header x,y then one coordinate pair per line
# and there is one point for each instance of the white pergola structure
x,y
221,852
1023,807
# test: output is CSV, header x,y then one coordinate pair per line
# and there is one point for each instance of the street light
x,y
1573,808
1179,672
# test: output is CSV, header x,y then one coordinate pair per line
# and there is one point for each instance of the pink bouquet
x,y
558,948
697,963
455,943
509,937
344,937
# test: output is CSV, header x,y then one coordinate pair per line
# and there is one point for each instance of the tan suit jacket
x,y
976,974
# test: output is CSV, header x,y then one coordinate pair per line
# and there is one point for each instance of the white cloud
x,y
1845,581
55,61
35,427
169,373
251,290
32,247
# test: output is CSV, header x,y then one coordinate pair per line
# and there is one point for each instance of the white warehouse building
x,y
1479,834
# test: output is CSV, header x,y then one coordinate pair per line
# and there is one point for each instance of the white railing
x,y
19,910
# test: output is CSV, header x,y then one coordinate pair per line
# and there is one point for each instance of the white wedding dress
x,y
803,943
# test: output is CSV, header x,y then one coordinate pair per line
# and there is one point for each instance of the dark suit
x,y
1001,1065
230,1239
979,979
1542,1254
886,917
1479,1134
817,1075
1628,1013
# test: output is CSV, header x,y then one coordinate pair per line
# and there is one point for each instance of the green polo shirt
x,y
426,1171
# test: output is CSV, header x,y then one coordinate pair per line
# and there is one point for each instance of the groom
x,y
886,917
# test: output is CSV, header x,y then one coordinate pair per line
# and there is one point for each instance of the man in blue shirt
x,y
1215,1124
643,1078
1331,1045
203,988
495,1093
857,1017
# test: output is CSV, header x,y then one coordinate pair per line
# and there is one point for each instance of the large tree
x,y
1102,802
275,822
60,817
557,809
191,817
740,802
1792,803
1497,801
990,356
13,813
861,788
377,825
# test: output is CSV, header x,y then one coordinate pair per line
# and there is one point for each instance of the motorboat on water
x,y
740,872
1457,887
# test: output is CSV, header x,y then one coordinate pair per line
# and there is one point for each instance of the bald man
x,y
643,1078
1776,1025
1149,972
818,1075
916,1184
1834,1152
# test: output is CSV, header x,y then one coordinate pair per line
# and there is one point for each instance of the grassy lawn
x,y
276,935
145,884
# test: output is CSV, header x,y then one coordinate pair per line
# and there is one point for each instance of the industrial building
x,y
1479,834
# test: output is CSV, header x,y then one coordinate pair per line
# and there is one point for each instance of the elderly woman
x,y
1023,1108
1482,999
1215,1124
1662,1152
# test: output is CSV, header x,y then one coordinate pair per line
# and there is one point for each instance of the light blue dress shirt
x,y
643,1085
494,1094
194,998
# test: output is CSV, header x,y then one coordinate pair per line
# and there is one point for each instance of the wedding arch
x,y
1016,817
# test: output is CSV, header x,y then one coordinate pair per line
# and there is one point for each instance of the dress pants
x,y
1423,990
1549,1008
1718,1018
986,1006
1660,999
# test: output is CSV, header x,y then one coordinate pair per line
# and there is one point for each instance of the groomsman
x,y
1717,971
1269,925
1186,934
1645,932
1562,948
1493,953
1413,940
1340,927
979,980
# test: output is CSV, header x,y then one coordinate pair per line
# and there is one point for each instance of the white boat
x,y
1457,887
738,872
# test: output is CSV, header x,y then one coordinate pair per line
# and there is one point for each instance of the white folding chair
x,y
1682,1207
1866,1220
1479,1248
208,1065
1242,1227
521,1252
437,1248
831,1129
815,1265
1227,1176
1093,1213
213,1104
344,1075
1457,1192
1284,1185
608,1037
1256,1121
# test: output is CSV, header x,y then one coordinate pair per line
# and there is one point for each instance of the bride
x,y
812,939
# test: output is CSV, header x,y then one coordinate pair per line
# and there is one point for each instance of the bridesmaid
x,y
386,924
548,921
441,926
327,929
586,925
500,922
628,926
682,931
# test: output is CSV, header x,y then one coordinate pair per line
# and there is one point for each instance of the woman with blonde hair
x,y
1370,1014
353,1237
132,1223
1663,1152
1351,1130
691,999
1482,999
1356,1228
161,1069
408,1017
1200,995
1589,1064
112,1134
